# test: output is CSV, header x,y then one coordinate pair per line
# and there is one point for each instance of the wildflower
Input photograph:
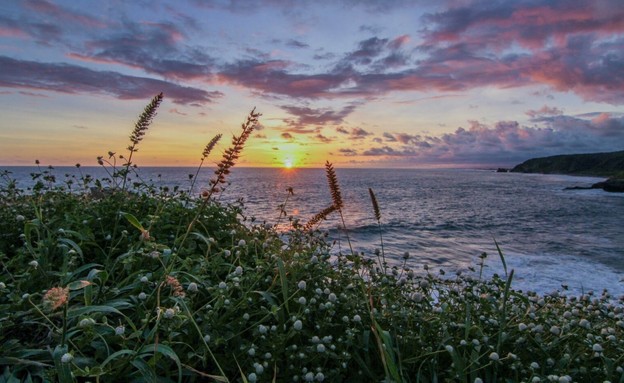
x,y
67,357
246,316
252,378
144,280
154,254
166,252
298,325
169,313
204,193
222,285
259,368
120,330
192,287
242,243
175,285
251,351
309,377
262,329
319,376
142,296
145,235
555,330
19,218
522,327
56,297
494,357
449,348
34,264
597,347
534,366
332,297
584,323
2,286
478,380
302,300
301,285
357,318
206,338
227,253
320,347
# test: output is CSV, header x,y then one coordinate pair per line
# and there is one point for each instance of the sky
x,y
371,83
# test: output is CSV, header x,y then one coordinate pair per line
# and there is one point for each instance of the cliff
x,y
594,164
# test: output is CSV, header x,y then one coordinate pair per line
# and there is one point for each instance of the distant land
x,y
594,164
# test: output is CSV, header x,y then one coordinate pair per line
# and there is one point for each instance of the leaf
x,y
284,283
164,350
502,257
133,220
63,370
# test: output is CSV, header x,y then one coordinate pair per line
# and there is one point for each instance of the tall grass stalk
x,y
207,150
140,128
377,212
334,189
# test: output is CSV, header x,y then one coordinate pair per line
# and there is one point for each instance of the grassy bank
x,y
107,281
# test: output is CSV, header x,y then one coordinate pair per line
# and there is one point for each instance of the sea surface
x,y
444,218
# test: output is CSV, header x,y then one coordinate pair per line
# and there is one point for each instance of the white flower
x,y
169,313
207,338
555,330
120,330
309,377
144,280
142,296
246,316
332,297
67,357
252,378
449,348
302,300
2,286
192,287
597,347
585,323
522,327
251,351
302,285
262,329
320,347
259,368
238,270
478,380
298,325
494,357
534,366
19,218
86,322
34,264
319,376
357,318
227,253
222,285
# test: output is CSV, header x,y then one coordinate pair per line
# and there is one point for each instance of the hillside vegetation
x,y
593,164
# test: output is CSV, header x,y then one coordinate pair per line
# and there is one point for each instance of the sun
x,y
288,163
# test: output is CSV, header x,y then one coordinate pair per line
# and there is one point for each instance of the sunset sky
x,y
368,83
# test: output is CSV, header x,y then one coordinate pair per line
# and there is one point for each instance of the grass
x,y
104,281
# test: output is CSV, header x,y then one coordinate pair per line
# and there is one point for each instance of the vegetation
x,y
104,281
595,164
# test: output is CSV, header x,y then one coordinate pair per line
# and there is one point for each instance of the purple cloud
x,y
65,78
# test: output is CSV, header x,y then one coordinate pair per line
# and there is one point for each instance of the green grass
x,y
145,284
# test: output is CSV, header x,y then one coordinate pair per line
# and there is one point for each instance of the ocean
x,y
443,218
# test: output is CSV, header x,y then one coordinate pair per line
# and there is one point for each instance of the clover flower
x,y
120,330
34,264
169,313
67,357
56,297
320,347
494,357
238,270
357,318
142,296
262,329
192,287
176,287
298,325
252,378
302,285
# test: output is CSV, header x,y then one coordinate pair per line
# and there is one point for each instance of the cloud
x,y
544,111
507,142
306,116
287,136
348,152
354,133
323,139
66,78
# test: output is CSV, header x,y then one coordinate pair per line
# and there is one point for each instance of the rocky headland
x,y
609,165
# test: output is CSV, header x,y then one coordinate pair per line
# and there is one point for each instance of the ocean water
x,y
444,218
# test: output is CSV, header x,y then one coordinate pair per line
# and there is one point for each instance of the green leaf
x,y
63,370
164,350
133,220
